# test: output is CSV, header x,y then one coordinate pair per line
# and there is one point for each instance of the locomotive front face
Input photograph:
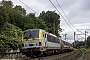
x,y
31,39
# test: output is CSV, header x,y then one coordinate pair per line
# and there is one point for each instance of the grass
x,y
87,54
87,50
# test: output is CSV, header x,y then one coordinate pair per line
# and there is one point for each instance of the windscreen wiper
x,y
31,36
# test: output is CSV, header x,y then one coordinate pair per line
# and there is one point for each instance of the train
x,y
36,42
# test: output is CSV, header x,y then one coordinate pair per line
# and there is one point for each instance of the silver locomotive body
x,y
37,42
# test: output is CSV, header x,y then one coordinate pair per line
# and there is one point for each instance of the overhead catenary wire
x,y
60,14
64,13
67,17
28,7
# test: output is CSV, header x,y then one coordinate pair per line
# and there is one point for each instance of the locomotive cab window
x,y
31,34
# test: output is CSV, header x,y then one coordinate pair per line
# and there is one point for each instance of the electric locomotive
x,y
36,42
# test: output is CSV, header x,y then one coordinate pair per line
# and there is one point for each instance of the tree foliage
x,y
52,21
10,37
3,16
20,9
17,16
88,41
33,22
78,44
7,4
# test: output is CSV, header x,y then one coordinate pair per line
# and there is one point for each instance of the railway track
x,y
48,57
71,57
62,56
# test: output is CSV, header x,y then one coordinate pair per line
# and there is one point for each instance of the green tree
x,y
32,22
52,21
15,15
16,19
7,4
40,23
3,16
20,9
29,22
88,41
10,38
78,44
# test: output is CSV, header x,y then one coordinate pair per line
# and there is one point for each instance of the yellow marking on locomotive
x,y
39,38
40,34
23,37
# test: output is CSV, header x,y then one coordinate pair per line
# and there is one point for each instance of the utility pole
x,y
74,36
85,34
85,38
65,36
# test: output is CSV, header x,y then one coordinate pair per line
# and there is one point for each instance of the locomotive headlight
x,y
22,45
40,44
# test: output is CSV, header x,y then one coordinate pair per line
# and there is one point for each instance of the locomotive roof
x,y
52,34
31,29
66,41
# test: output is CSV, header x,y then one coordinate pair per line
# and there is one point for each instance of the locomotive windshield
x,y
31,34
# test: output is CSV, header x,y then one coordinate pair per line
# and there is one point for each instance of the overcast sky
x,y
77,11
